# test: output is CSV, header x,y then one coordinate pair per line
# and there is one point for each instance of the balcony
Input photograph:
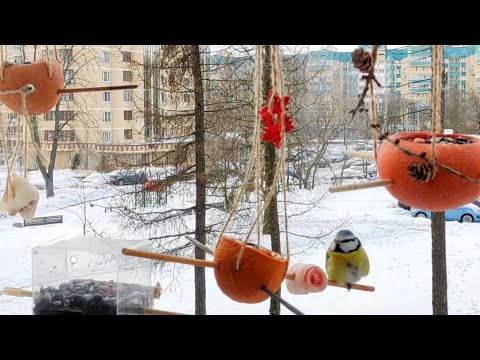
x,y
110,148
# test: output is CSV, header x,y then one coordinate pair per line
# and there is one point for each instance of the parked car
x,y
467,213
127,178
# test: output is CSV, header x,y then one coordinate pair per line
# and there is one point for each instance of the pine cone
x,y
421,172
362,60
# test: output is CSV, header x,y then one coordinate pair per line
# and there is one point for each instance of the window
x,y
127,95
106,96
128,115
105,57
12,116
64,115
127,134
63,135
12,144
186,98
67,97
127,56
105,76
66,54
106,136
107,117
69,76
127,76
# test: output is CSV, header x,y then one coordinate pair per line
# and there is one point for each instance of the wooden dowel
x,y
199,244
361,155
161,312
165,257
359,186
17,292
291,276
100,88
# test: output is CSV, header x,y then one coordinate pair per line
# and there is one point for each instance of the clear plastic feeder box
x,y
90,276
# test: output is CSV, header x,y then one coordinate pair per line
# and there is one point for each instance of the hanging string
x,y
437,59
56,53
372,98
25,147
258,139
248,173
1,63
5,154
50,70
277,89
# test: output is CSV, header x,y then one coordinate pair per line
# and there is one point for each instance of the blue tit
x,y
347,262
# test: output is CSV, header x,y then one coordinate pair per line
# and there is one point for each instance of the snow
x,y
398,245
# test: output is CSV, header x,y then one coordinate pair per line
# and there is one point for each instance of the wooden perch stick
x,y
291,276
17,292
161,312
359,186
361,155
165,257
99,88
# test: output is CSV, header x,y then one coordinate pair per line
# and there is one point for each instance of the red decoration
x,y
150,186
272,130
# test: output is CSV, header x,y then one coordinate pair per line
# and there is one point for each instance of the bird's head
x,y
345,241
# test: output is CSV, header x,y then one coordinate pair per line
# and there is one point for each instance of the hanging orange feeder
x,y
446,190
45,94
260,267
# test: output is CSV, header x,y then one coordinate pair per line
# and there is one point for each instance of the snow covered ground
x,y
398,247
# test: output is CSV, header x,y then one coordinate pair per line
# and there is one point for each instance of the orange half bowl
x,y
45,96
446,191
259,267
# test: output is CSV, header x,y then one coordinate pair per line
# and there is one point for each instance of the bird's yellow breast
x,y
347,268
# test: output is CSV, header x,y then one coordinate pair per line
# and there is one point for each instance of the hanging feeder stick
x,y
212,264
361,155
161,312
359,186
100,88
199,244
291,276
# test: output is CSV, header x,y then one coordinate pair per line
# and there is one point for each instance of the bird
x,y
346,260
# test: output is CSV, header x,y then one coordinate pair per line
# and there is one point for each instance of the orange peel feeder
x,y
259,268
45,94
446,190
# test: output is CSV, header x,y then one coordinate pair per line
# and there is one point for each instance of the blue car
x,y
467,213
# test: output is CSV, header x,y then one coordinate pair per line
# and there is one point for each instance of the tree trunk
x,y
439,265
271,226
200,181
439,254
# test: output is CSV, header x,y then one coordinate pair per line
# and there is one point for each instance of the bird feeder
x,y
259,268
90,276
35,78
446,190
